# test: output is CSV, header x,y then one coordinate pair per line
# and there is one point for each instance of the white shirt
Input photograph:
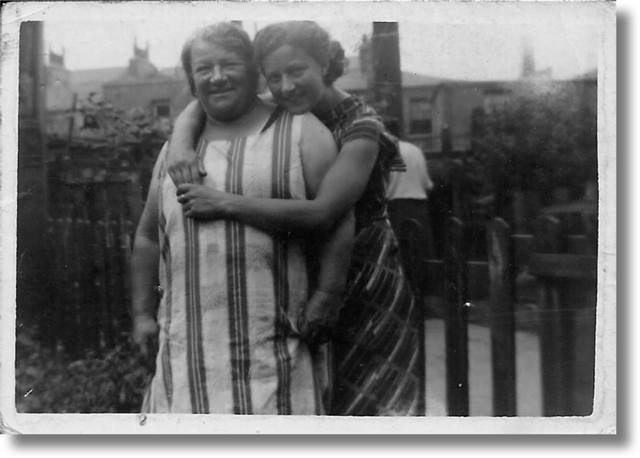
x,y
415,182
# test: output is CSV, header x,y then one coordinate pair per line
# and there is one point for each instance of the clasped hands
x,y
197,200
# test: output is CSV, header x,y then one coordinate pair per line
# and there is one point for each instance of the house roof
x,y
356,80
83,82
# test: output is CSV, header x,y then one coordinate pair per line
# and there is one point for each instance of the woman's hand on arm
x,y
320,315
184,166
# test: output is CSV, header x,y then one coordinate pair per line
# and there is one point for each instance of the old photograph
x,y
253,217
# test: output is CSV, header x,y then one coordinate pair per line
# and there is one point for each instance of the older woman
x,y
377,366
233,296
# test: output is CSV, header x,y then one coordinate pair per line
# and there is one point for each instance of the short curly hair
x,y
308,36
228,35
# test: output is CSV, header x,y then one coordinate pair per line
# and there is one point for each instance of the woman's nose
x,y
287,84
217,75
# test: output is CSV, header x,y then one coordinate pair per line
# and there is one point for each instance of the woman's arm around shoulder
x,y
183,164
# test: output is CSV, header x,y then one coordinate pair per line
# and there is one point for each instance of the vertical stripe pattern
x,y
237,289
166,349
280,190
195,353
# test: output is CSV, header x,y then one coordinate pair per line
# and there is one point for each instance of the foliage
x,y
537,142
114,127
49,382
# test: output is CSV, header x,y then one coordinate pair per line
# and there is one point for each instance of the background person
x,y
408,193
234,296
376,342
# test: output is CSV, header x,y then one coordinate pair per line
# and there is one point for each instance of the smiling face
x,y
294,78
223,83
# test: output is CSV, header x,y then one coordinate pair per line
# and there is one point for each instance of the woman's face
x,y
294,78
224,85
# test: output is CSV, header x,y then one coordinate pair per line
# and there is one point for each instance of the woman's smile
x,y
223,84
294,78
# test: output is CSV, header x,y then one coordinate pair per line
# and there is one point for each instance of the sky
x,y
481,42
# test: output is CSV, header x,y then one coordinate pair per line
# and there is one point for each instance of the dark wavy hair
x,y
308,36
227,35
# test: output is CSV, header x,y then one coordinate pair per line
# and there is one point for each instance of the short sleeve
x,y
368,128
371,127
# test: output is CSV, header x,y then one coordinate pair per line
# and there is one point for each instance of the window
x,y
419,117
162,109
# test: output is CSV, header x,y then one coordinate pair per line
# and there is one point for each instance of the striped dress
x,y
377,359
232,293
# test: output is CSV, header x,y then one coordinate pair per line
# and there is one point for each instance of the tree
x,y
536,142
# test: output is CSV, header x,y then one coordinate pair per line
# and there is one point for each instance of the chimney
x,y
528,58
387,77
139,65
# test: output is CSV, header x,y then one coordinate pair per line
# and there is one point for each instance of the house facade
x,y
436,112
160,93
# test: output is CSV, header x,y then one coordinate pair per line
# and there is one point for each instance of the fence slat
x,y
50,317
456,332
503,329
102,281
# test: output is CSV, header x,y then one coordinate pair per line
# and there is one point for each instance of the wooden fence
x,y
90,242
90,292
565,266
90,299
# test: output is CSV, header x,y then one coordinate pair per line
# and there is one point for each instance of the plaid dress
x,y
232,292
376,348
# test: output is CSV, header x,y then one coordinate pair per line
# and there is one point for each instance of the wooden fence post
x,y
554,352
456,333
503,342
413,262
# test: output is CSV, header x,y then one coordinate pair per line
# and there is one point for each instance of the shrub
x,y
48,381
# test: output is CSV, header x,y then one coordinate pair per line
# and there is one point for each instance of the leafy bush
x,y
536,142
49,382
